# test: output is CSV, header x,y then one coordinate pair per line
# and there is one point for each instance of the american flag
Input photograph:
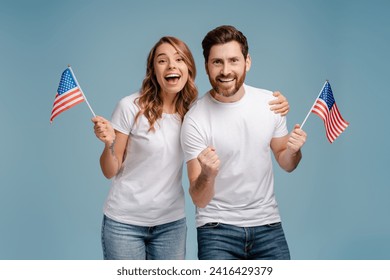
x,y
325,107
68,94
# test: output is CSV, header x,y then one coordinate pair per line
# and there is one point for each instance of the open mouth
x,y
172,78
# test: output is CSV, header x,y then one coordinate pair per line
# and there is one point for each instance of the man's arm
x,y
202,172
287,149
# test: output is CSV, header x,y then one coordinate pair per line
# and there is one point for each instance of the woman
x,y
144,213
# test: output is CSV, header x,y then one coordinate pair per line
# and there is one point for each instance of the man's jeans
x,y
218,241
128,242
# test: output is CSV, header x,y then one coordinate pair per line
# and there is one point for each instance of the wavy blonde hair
x,y
150,102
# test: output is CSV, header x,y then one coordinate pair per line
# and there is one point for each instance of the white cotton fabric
x,y
241,133
148,189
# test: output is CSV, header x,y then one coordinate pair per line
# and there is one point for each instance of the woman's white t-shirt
x,y
148,190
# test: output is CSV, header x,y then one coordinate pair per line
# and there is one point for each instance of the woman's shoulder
x,y
128,102
129,99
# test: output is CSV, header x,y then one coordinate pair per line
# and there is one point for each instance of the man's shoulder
x,y
254,91
199,104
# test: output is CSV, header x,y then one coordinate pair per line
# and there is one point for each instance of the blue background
x,y
334,206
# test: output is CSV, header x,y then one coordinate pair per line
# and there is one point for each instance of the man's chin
x,y
226,93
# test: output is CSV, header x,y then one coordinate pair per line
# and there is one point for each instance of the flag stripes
x,y
325,107
68,94
65,101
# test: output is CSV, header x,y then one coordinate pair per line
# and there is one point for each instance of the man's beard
x,y
228,92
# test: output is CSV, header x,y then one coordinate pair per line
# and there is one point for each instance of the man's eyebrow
x,y
229,58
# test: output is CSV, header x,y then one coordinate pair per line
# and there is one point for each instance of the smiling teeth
x,y
172,76
229,80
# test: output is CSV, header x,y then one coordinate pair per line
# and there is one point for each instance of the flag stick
x,y
77,83
315,101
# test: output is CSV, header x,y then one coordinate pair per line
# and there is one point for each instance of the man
x,y
227,138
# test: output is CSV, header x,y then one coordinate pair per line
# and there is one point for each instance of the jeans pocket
x,y
210,225
274,225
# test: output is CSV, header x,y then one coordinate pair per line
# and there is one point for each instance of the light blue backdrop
x,y
334,206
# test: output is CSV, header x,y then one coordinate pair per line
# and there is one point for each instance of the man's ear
x,y
248,62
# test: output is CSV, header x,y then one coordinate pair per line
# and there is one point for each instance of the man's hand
x,y
296,140
209,162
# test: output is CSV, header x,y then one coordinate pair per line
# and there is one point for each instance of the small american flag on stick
x,y
325,107
69,94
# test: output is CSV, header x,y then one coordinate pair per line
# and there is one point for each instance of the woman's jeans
x,y
218,241
128,242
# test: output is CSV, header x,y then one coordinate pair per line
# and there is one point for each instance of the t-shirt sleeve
x,y
280,127
122,118
192,141
279,122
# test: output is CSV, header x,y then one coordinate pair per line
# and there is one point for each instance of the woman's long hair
x,y
150,101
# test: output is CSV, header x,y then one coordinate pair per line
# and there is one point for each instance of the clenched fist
x,y
209,162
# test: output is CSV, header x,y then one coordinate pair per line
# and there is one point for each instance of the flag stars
x,y
68,94
327,95
67,82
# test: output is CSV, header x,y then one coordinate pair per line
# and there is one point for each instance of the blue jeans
x,y
217,241
128,242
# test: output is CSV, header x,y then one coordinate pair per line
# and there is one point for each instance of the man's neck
x,y
231,99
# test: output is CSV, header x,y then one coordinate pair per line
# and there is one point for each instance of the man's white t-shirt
x,y
148,190
241,133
